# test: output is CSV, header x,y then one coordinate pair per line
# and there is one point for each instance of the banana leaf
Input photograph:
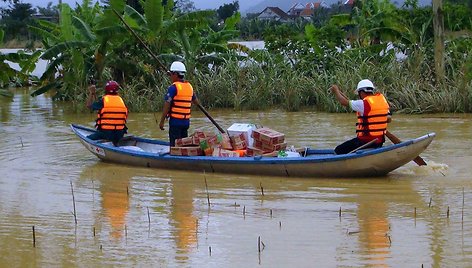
x,y
61,47
154,13
83,28
52,68
54,85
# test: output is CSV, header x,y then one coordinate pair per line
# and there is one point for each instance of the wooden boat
x,y
311,163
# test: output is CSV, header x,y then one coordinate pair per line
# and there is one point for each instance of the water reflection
x,y
374,232
184,221
114,190
5,112
112,184
376,204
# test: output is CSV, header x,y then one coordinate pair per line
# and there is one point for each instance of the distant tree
x,y
15,20
250,16
49,11
461,2
184,6
227,10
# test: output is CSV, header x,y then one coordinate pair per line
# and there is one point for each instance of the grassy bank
x,y
409,86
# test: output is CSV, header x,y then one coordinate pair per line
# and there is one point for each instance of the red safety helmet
x,y
112,86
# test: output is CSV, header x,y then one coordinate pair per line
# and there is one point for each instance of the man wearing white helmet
x,y
178,103
373,115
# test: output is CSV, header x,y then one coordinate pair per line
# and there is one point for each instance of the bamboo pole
x,y
34,238
73,202
259,244
463,202
438,26
206,188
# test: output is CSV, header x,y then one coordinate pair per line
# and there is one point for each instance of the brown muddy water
x,y
129,216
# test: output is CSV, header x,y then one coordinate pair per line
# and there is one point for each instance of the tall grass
x,y
409,85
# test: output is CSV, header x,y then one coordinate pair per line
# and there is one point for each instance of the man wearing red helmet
x,y
112,113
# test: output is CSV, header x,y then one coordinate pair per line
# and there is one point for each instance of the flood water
x,y
129,216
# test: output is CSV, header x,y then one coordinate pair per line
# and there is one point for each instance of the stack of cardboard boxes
x,y
240,140
266,140
201,143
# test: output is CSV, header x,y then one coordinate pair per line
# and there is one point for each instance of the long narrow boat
x,y
311,163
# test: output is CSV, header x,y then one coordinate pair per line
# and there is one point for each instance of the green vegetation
x,y
302,58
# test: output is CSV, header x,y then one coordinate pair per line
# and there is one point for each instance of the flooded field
x,y
129,216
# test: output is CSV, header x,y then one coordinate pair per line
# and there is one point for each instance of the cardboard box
x,y
186,151
226,142
268,136
219,152
189,141
269,147
251,151
203,134
209,143
239,145
242,128
206,148
238,138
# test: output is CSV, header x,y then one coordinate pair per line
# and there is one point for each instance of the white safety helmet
x,y
365,85
178,67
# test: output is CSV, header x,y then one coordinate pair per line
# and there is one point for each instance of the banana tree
x,y
10,75
185,37
371,24
81,48
70,48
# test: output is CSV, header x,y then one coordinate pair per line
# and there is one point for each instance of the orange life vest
x,y
373,123
182,102
113,115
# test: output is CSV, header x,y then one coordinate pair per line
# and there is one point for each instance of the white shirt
x,y
357,106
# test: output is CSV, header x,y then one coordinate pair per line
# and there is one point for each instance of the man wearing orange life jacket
x,y
178,103
112,113
373,115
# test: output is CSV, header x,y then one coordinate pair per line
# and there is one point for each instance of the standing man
x,y
373,115
178,103
112,113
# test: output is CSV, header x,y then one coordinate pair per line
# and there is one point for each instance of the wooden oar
x,y
163,67
418,160
211,118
